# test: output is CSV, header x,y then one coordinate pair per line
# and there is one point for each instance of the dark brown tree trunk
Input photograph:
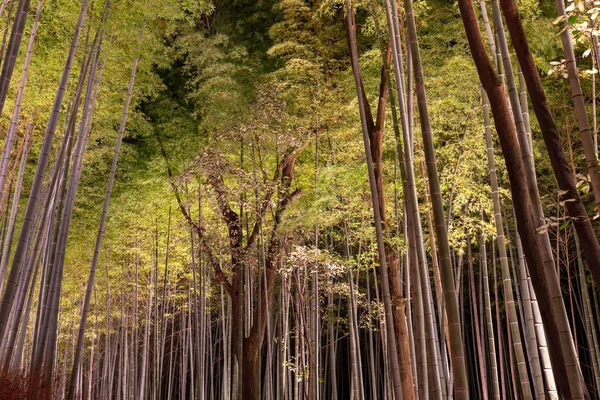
x,y
558,159
246,349
546,285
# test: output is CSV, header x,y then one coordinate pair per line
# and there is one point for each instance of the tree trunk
x,y
560,165
568,374
461,386
90,284
22,244
391,335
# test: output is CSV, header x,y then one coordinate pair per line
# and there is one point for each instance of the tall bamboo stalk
x,y
32,204
546,284
456,345
90,284
391,336
500,238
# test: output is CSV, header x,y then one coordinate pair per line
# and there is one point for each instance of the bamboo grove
x,y
293,199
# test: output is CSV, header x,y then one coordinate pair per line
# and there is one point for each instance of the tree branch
x,y
219,275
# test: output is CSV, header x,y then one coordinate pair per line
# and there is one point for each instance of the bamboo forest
x,y
299,199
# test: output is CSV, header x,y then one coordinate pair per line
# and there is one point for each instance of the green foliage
x,y
228,90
